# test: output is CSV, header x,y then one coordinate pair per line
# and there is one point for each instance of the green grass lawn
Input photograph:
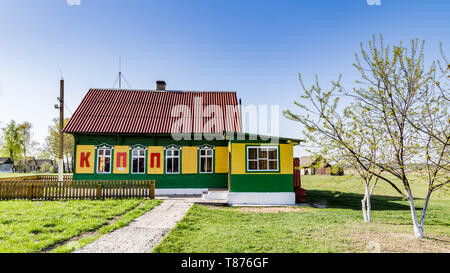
x,y
337,228
33,226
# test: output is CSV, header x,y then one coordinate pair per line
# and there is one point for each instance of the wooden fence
x,y
37,177
54,190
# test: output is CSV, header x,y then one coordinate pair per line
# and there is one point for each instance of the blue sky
x,y
254,47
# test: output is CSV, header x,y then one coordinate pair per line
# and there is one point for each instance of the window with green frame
x,y
262,159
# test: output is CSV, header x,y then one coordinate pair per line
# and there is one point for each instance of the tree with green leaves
x,y
17,141
398,118
26,139
10,141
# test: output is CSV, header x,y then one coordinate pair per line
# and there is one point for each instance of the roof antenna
x,y
120,72
120,76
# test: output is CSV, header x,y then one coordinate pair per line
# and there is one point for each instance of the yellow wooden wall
x,y
158,150
238,162
91,159
122,169
221,160
189,159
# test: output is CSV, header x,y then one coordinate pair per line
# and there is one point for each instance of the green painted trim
x,y
101,145
163,181
262,172
136,146
262,183
245,138
74,168
146,140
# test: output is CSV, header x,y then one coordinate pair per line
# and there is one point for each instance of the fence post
x,y
152,190
99,190
30,193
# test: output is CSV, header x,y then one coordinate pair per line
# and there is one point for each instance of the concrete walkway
x,y
145,232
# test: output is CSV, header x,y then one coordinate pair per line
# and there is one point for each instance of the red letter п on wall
x,y
122,156
152,160
84,159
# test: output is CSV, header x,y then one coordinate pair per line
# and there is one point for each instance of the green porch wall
x,y
261,183
166,181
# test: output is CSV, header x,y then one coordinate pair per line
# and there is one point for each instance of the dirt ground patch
x,y
271,209
377,238
263,209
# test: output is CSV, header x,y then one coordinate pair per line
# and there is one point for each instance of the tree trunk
x,y
369,208
68,163
64,164
25,160
418,229
364,210
365,202
425,207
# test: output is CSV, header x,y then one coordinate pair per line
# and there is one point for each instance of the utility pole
x,y
61,126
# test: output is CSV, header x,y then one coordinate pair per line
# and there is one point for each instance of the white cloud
x,y
73,2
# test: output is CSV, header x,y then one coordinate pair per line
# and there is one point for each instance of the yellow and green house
x,y
188,142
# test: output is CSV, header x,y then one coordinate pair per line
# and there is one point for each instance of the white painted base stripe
x,y
215,195
180,191
261,198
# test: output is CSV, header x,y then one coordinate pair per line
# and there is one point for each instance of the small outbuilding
x,y
312,165
45,165
6,165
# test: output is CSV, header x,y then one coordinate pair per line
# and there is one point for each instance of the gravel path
x,y
145,232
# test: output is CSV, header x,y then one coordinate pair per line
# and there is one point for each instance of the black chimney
x,y
160,85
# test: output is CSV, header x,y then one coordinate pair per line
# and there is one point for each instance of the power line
x,y
67,107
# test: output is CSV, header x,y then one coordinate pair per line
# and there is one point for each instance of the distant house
x,y
29,167
6,165
44,165
312,165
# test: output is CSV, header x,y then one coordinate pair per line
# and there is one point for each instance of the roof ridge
x,y
162,91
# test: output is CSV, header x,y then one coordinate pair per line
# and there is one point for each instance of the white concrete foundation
x,y
215,195
180,191
261,198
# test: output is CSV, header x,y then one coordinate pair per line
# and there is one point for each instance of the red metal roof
x,y
155,112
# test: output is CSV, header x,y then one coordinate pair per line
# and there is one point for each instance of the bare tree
x,y
396,108
342,137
